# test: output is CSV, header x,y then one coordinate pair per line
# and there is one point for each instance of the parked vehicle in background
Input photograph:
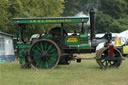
x,y
125,49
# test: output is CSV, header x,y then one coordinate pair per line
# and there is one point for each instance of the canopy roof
x,y
51,20
3,33
124,34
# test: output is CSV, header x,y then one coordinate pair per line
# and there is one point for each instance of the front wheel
x,y
44,53
105,61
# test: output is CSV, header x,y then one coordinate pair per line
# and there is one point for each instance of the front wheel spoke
x,y
103,61
106,63
110,63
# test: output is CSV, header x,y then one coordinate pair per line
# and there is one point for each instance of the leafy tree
x,y
103,22
37,8
119,25
32,8
115,13
3,15
72,7
114,8
111,15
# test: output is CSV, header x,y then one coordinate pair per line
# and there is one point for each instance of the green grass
x,y
84,73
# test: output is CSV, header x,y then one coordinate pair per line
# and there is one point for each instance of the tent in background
x,y
6,47
123,36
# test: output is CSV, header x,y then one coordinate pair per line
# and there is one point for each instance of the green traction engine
x,y
57,47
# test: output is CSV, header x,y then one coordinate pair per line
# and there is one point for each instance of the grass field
x,y
84,73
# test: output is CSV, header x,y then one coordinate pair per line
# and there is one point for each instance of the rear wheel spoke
x,y
50,47
46,64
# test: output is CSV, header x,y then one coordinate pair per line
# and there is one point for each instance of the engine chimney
x,y
92,24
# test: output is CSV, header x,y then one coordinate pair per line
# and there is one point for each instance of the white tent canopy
x,y
124,34
6,47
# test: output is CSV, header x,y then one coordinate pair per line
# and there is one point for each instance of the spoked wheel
x,y
44,53
103,59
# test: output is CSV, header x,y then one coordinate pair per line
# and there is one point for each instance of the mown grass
x,y
84,73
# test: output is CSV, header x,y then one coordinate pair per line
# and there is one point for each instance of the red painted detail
x,y
111,50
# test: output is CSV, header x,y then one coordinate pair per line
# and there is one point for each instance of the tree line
x,y
111,15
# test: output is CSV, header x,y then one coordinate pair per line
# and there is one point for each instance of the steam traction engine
x,y
56,47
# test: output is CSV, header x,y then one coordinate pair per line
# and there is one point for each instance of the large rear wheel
x,y
105,61
44,53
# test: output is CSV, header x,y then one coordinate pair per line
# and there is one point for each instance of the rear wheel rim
x,y
44,54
